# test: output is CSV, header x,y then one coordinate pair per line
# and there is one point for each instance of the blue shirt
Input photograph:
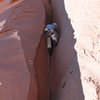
x,y
51,27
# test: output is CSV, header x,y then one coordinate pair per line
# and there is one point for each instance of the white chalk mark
x,y
2,23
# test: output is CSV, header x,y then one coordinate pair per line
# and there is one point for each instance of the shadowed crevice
x,y
66,79
42,64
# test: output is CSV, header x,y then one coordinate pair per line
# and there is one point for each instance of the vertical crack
x,y
50,79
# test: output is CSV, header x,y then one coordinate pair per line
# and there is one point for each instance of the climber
x,y
51,36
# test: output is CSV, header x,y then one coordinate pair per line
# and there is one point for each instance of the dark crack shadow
x,y
42,70
66,78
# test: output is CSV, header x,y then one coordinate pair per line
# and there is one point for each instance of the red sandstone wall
x,y
66,82
24,60
23,56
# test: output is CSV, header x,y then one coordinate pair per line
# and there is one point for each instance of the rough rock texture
x,y
86,22
48,10
76,59
24,60
66,82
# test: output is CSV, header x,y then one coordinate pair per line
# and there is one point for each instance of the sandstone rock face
x,y
66,82
48,10
24,59
76,59
87,32
14,74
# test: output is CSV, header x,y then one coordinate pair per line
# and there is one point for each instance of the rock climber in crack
x,y
51,36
